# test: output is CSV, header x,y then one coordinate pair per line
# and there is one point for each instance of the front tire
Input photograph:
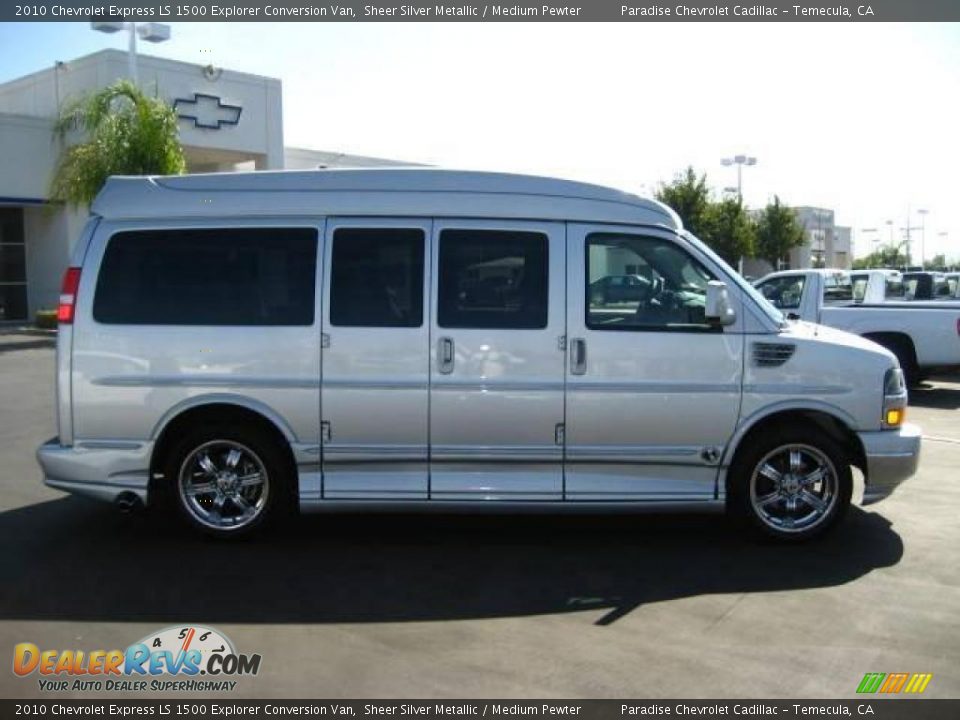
x,y
226,481
791,483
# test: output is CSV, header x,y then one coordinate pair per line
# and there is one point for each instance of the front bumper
x,y
101,470
892,456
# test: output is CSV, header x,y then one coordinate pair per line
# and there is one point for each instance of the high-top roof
x,y
411,192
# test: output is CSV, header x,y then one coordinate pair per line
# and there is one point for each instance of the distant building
x,y
228,121
825,245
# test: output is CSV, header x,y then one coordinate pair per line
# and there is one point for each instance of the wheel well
x,y
203,414
835,428
892,340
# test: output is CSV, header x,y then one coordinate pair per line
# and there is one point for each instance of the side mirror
x,y
718,308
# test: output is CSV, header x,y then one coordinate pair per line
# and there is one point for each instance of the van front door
x,y
653,390
497,364
375,363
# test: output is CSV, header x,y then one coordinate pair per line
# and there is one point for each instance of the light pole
x,y
739,161
149,32
922,212
875,237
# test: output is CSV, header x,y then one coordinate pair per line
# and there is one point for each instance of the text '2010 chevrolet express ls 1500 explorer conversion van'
x,y
237,344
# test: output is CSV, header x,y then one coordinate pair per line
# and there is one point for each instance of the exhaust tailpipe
x,y
127,502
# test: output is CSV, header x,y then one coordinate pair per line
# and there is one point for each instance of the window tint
x,y
228,276
666,289
859,291
13,269
377,277
837,288
784,293
493,279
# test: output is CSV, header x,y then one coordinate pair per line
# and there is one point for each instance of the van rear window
x,y
223,276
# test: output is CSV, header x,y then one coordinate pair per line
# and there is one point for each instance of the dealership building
x,y
228,121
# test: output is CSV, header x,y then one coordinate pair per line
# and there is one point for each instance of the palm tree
x,y
127,133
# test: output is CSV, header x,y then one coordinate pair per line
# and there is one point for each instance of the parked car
x,y
233,345
622,288
924,336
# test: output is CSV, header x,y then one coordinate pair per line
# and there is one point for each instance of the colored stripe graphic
x,y
918,682
894,683
871,682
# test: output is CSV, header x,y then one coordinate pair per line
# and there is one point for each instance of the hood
x,y
822,333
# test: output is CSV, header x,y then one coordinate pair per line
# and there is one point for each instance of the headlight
x,y
893,382
894,399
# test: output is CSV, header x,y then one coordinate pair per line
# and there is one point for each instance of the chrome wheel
x,y
223,485
794,488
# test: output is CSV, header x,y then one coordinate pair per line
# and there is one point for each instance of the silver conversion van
x,y
235,345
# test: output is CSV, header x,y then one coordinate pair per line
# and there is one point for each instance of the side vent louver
x,y
772,354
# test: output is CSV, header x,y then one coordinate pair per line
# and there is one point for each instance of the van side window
x,y
493,279
376,277
223,276
667,289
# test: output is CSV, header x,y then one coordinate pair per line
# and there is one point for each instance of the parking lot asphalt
x,y
451,606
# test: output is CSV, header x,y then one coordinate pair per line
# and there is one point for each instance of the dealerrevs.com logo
x,y
178,658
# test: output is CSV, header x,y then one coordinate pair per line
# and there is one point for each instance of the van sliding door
x,y
497,363
375,359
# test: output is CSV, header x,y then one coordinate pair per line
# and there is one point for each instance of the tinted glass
x,y
837,288
667,289
12,266
377,277
784,293
229,276
13,302
11,226
493,279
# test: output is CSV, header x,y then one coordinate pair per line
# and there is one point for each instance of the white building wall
x,y
51,232
28,154
258,136
304,159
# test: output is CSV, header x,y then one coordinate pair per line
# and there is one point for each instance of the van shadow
x,y
69,559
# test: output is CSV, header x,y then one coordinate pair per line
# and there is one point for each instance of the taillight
x,y
68,296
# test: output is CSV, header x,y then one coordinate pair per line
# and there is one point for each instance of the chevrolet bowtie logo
x,y
207,111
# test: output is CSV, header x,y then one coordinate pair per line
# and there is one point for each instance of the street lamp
x,y
875,237
739,161
148,32
923,236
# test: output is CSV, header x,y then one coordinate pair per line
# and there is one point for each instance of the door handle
x,y
445,355
578,356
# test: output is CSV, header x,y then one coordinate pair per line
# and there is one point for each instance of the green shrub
x,y
46,319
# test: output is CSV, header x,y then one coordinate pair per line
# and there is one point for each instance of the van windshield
x,y
738,279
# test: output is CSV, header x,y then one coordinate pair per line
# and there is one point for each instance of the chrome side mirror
x,y
718,309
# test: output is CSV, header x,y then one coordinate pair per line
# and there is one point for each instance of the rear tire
x,y
791,483
227,481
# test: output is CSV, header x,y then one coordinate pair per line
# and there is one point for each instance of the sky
x,y
863,118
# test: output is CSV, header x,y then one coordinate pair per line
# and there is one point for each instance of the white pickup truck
x,y
925,336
